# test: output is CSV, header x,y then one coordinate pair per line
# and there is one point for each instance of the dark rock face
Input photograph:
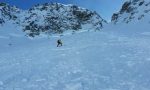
x,y
114,17
126,7
2,21
51,18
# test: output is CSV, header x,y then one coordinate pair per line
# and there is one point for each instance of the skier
x,y
59,43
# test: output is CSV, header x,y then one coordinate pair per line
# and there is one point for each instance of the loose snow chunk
x,y
1,83
123,56
146,33
148,59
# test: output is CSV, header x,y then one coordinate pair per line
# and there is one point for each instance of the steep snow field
x,y
110,59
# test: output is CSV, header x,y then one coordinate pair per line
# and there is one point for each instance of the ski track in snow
x,y
87,61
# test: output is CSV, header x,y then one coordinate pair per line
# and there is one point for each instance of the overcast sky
x,y
104,7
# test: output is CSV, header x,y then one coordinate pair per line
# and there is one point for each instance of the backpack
x,y
59,41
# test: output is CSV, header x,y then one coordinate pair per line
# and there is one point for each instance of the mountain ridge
x,y
51,18
132,11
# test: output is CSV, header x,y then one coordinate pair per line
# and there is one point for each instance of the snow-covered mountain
x,y
51,18
133,11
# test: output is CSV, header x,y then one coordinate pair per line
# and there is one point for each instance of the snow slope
x,y
106,60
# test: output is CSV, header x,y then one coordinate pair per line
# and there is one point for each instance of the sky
x,y
104,7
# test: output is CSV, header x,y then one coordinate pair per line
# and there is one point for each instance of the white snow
x,y
105,60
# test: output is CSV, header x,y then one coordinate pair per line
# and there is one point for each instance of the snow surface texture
x,y
106,60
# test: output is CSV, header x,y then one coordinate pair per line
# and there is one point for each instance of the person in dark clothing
x,y
59,43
